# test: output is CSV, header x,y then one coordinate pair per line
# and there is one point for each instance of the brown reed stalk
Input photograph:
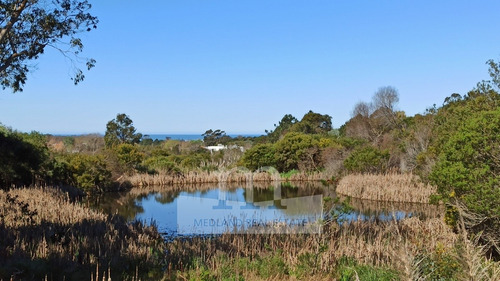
x,y
386,187
234,175
42,224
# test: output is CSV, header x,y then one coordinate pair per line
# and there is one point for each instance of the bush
x,y
160,163
89,172
22,157
292,149
261,155
367,160
129,155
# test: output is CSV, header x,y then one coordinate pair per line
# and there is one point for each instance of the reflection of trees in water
x,y
122,203
128,204
287,191
166,197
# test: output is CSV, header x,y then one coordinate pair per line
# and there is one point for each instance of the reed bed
x,y
43,232
386,187
390,244
401,246
240,176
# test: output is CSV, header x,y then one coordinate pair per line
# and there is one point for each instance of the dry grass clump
x,y
44,233
386,187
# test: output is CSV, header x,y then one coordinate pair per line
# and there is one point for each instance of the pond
x,y
215,209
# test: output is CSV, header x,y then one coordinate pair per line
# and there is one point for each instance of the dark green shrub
x,y
260,155
367,160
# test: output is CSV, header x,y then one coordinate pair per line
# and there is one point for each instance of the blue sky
x,y
188,66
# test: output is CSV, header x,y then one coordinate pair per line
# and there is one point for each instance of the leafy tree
x,y
120,130
29,26
313,123
211,137
282,128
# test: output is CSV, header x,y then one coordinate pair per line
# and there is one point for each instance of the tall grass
x,y
386,187
220,176
42,232
388,250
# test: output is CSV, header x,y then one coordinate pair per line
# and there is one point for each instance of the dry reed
x,y
386,187
221,176
394,244
391,244
42,231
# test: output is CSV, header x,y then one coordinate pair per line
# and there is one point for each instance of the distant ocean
x,y
189,137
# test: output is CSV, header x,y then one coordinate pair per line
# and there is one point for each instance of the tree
x,y
372,120
313,123
386,97
282,128
120,130
211,137
27,27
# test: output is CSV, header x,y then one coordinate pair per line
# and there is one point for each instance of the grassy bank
x,y
386,187
45,235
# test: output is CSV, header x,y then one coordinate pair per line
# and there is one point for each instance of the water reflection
x,y
211,209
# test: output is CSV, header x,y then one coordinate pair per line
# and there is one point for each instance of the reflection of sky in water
x,y
173,211
189,210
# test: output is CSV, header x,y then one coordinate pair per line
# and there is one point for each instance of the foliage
x,y
129,155
313,123
469,163
160,163
120,130
89,172
216,137
22,157
438,265
367,160
291,149
282,128
349,269
287,175
29,26
260,155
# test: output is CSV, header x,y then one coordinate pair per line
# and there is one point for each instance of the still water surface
x,y
264,209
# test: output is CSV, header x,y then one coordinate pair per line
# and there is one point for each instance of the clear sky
x,y
182,66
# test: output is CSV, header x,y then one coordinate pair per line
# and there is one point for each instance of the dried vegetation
x,y
391,187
